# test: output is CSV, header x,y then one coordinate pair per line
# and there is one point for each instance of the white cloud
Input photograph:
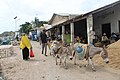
x,y
27,9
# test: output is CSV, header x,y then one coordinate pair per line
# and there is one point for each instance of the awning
x,y
47,27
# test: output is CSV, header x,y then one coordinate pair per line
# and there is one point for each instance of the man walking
x,y
43,38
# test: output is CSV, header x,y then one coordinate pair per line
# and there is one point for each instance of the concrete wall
x,y
111,15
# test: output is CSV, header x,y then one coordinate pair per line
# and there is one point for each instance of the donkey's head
x,y
104,55
54,47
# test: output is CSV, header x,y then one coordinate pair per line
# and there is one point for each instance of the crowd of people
x,y
104,39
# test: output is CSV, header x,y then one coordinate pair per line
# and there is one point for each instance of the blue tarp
x,y
5,42
34,36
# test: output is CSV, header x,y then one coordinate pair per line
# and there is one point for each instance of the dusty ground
x,y
44,68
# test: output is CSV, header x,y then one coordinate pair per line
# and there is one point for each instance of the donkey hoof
x,y
80,66
85,65
66,67
94,69
75,64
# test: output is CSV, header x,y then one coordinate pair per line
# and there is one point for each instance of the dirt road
x,y
44,68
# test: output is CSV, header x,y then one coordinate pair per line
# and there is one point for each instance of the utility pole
x,y
15,22
16,19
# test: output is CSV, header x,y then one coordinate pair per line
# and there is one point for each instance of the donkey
x,y
60,52
90,52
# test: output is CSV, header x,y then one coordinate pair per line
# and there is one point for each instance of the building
x,y
104,20
57,21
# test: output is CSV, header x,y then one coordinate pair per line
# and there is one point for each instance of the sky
x,y
27,10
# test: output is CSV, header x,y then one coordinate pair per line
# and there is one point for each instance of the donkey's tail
x,y
73,53
87,53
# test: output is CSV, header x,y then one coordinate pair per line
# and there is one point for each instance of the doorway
x,y
106,28
119,26
81,29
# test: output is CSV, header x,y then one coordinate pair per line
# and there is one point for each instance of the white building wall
x,y
111,15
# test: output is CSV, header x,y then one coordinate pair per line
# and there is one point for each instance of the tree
x,y
37,23
25,27
41,23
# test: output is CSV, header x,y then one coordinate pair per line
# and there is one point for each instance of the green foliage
x,y
38,23
25,27
41,23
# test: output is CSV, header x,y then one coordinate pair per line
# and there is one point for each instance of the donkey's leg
x,y
93,67
75,59
50,53
88,62
65,62
60,60
56,59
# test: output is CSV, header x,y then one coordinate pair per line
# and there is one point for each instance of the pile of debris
x,y
6,51
15,43
114,56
